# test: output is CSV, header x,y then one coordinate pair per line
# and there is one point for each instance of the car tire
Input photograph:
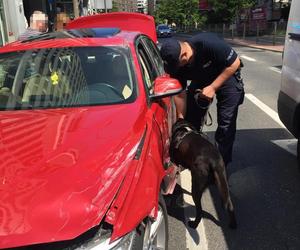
x,y
153,234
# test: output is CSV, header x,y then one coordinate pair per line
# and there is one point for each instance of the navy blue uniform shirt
x,y
211,56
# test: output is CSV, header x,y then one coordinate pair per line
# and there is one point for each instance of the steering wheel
x,y
110,90
113,89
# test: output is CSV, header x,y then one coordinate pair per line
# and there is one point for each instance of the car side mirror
x,y
165,86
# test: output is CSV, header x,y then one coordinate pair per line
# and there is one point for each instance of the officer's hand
x,y
208,92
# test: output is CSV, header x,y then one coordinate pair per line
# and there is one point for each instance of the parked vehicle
x,y
289,96
163,30
85,120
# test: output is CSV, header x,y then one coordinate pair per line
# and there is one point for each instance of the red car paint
x,y
123,20
63,170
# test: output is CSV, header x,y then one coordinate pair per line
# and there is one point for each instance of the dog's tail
x,y
221,182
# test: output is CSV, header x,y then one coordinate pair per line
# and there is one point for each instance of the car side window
x,y
155,55
146,74
148,69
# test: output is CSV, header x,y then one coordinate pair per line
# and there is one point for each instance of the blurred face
x,y
61,21
39,22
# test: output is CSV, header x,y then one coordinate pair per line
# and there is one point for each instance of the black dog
x,y
191,150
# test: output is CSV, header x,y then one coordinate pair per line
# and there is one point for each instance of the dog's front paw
x,y
193,224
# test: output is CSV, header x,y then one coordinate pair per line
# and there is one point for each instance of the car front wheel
x,y
153,234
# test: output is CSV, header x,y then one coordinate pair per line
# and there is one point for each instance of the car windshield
x,y
66,77
161,27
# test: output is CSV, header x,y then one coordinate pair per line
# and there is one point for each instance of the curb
x,y
252,45
242,43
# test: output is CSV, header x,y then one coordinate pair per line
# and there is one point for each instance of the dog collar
x,y
180,138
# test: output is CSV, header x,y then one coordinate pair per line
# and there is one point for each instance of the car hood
x,y
60,169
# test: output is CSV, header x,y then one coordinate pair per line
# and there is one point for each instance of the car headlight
x,y
96,238
101,242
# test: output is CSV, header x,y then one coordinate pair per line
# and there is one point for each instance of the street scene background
x,y
264,179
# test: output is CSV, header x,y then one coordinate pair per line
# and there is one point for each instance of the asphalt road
x,y
263,177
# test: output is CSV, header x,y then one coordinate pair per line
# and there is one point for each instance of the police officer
x,y
214,69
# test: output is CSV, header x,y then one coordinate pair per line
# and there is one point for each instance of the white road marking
x,y
248,58
289,145
270,112
185,180
275,69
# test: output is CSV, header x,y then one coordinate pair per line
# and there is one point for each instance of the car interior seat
x,y
47,87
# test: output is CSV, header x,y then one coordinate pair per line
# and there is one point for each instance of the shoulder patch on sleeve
x,y
230,55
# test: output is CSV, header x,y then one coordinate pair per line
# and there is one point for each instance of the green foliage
x,y
181,12
185,13
115,6
226,11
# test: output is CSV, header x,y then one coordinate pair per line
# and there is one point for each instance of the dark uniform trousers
x,y
229,97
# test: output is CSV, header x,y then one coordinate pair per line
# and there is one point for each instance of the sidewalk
x,y
253,44
265,42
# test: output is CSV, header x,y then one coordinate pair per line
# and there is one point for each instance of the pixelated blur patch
x,y
54,78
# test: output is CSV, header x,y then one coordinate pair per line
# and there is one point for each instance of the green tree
x,y
115,6
184,13
226,11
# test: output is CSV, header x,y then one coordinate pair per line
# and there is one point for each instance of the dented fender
x,y
138,196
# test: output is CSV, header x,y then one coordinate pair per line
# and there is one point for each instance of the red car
x,y
85,119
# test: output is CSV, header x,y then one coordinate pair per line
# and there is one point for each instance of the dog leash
x,y
210,118
204,103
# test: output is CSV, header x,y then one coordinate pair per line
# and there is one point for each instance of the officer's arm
x,y
211,89
226,74
180,103
180,99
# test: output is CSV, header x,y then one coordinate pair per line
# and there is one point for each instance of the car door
x,y
164,109
169,117
291,59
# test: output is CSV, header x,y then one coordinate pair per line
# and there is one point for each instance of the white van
x,y
289,96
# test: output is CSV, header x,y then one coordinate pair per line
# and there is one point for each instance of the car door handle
x,y
294,36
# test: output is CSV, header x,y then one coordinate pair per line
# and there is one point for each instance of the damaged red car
x,y
85,121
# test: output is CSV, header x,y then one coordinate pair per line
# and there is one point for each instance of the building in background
x,y
142,6
204,5
15,14
105,5
12,20
263,16
3,30
126,5
274,9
